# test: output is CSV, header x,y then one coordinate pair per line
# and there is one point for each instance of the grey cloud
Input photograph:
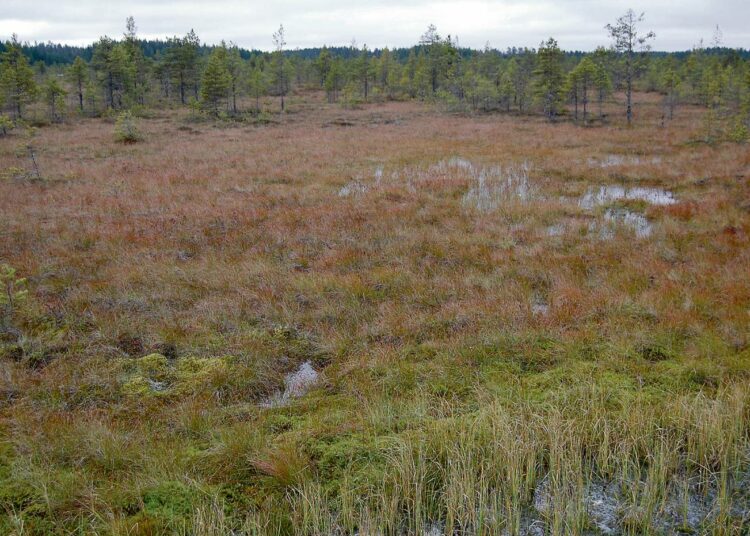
x,y
577,24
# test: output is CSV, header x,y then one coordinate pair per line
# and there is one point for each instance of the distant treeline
x,y
57,54
219,81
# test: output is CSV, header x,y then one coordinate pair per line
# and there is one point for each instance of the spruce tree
x,y
549,79
216,81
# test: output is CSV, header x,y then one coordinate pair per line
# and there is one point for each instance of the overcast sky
x,y
576,24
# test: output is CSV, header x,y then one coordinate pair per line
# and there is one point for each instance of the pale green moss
x,y
137,386
149,375
154,366
193,368
195,374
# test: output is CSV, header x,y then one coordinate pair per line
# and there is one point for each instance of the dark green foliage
x,y
216,81
548,82
17,85
134,72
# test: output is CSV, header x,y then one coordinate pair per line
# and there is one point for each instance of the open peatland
x,y
382,320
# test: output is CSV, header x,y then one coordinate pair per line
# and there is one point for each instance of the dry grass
x,y
488,367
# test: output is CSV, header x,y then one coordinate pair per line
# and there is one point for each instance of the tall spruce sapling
x,y
126,128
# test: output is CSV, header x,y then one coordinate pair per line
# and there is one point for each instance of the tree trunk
x,y
111,91
629,89
671,106
585,104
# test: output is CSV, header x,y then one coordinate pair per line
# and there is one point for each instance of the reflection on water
x,y
602,195
296,384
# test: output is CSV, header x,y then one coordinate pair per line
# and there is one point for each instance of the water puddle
x,y
603,232
296,384
357,186
353,188
434,529
685,508
632,220
614,160
539,306
495,185
614,217
460,163
557,229
489,186
603,195
157,387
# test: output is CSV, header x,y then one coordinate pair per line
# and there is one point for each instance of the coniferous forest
x,y
114,75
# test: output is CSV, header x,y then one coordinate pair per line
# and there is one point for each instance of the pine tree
x,y
421,83
362,71
182,62
579,83
257,84
323,65
91,96
138,63
279,65
78,75
408,74
521,71
549,80
235,69
115,70
53,97
602,78
572,90
334,80
505,89
17,78
628,42
671,83
216,81
439,55
383,68
392,76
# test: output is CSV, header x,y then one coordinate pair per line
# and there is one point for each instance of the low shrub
x,y
126,128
